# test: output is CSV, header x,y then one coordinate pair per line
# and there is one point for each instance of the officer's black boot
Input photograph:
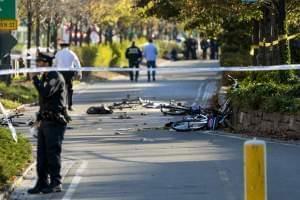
x,y
52,188
70,99
38,188
131,76
149,76
137,76
153,76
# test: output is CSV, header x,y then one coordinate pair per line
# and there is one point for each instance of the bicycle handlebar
x,y
235,81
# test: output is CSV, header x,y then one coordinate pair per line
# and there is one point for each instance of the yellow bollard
x,y
255,170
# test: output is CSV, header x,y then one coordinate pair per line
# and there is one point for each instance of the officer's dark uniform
x,y
134,55
53,120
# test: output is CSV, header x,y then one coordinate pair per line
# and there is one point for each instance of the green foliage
x,y
235,59
104,55
9,104
236,42
87,54
268,96
278,77
165,47
206,16
14,157
113,55
19,92
117,52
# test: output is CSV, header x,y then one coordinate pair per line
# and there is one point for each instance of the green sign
x,y
7,9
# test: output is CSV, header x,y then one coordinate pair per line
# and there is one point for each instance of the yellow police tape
x,y
275,42
255,186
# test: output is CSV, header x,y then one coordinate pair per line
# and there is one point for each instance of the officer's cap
x,y
45,57
64,43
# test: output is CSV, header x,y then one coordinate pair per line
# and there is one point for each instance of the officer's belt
x,y
50,116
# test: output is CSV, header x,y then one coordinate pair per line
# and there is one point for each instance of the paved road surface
x,y
131,159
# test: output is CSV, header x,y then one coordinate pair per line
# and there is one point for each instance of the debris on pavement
x,y
123,116
152,105
168,125
147,140
103,109
123,129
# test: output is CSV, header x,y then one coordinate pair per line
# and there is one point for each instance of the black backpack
x,y
99,110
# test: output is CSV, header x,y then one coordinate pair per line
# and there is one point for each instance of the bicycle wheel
x,y
174,110
189,125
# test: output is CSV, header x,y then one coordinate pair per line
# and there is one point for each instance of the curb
x,y
5,195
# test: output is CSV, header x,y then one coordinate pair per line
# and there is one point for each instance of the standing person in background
x,y
150,54
66,58
134,56
194,47
213,49
204,46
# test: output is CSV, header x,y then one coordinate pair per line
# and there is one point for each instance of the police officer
x,y
66,58
134,56
52,119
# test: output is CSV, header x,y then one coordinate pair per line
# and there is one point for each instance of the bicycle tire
x,y
17,124
189,125
174,110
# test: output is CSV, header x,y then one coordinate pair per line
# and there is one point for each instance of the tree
x,y
269,20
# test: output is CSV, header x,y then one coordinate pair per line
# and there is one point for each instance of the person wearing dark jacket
x,y
52,119
134,56
204,46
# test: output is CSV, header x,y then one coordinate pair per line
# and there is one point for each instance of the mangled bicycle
x,y
207,118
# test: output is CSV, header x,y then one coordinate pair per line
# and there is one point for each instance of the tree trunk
x,y
100,35
48,33
282,31
262,40
255,41
264,51
37,39
275,49
76,34
55,38
81,34
268,35
29,33
71,32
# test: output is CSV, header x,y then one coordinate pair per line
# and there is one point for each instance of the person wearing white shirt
x,y
66,58
150,54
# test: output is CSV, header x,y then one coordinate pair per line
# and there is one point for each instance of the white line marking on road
x,y
207,94
199,93
227,185
223,175
267,140
163,70
75,181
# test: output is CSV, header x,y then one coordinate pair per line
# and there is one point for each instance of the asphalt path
x,y
112,158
